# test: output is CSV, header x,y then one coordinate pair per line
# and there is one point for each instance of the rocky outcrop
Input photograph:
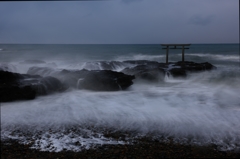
x,y
146,72
154,71
15,86
13,92
108,80
195,67
45,80
177,72
105,80
98,80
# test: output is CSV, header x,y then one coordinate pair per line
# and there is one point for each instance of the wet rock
x,y
48,85
105,81
99,80
7,77
178,72
12,92
154,71
195,67
146,72
15,86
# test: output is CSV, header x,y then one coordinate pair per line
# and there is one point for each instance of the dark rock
x,y
106,81
100,80
48,85
178,72
154,71
195,67
208,66
13,78
13,92
15,86
146,72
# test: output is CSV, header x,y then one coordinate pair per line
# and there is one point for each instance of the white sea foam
x,y
159,58
185,110
8,67
218,57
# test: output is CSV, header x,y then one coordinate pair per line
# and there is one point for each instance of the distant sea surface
x,y
202,109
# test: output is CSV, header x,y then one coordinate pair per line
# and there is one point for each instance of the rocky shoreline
x,y
144,148
45,80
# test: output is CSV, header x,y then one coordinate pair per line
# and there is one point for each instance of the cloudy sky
x,y
120,22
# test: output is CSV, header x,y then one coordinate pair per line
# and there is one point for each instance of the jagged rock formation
x,y
15,86
44,80
98,80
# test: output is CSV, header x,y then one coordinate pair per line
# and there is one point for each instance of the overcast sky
x,y
120,22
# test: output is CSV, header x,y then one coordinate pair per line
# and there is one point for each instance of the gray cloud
x,y
131,1
201,20
151,21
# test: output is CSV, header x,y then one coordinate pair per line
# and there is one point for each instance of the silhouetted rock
x,y
195,67
15,86
99,80
12,92
154,71
146,72
48,85
178,72
105,80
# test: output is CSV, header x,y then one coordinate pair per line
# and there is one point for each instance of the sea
x,y
202,109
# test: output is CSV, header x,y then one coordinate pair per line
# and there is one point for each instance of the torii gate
x,y
175,47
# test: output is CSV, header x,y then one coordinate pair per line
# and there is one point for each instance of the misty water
x,y
202,109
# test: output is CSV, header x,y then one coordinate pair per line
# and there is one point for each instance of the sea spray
x,y
202,108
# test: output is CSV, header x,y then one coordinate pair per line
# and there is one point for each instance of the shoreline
x,y
144,148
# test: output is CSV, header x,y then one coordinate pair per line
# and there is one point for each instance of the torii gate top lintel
x,y
175,47
175,44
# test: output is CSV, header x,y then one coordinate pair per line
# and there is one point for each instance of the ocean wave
x,y
208,117
217,57
203,108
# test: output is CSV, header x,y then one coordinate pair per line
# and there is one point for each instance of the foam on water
x,y
159,58
218,57
202,109
186,110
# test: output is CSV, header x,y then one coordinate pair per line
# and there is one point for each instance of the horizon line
x,y
106,43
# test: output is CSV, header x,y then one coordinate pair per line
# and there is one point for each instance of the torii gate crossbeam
x,y
175,46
